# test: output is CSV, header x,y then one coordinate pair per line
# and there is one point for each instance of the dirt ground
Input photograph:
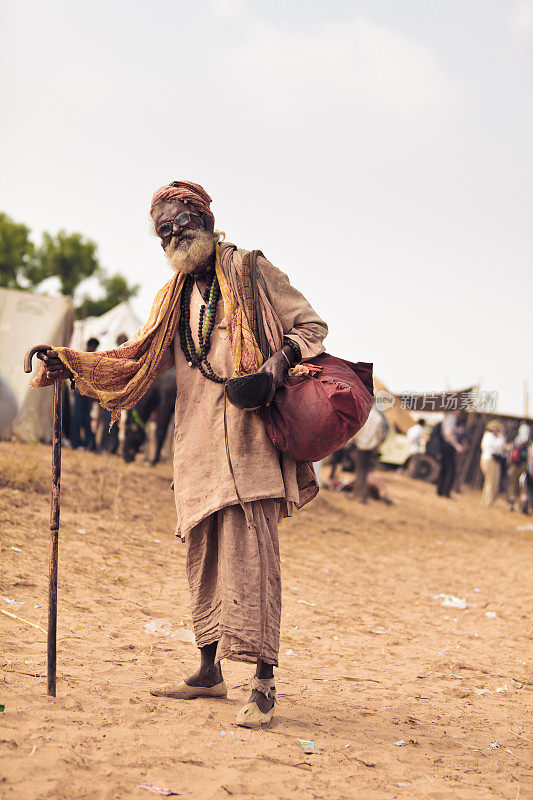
x,y
404,697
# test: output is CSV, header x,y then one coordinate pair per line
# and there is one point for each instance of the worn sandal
x,y
250,715
182,691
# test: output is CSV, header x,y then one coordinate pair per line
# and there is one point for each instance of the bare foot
x,y
207,676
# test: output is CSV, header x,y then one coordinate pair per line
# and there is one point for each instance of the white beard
x,y
196,255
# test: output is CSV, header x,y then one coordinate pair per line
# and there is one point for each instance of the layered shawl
x,y
119,378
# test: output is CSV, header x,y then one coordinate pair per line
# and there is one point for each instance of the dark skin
x,y
209,673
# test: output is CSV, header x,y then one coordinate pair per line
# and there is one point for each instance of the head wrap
x,y
186,192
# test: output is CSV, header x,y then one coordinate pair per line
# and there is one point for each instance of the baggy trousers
x,y
234,579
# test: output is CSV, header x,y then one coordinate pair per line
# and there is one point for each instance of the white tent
x,y
28,319
106,328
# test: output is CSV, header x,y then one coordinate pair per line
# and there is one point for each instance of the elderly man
x,y
231,485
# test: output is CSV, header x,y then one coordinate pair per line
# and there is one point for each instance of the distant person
x,y
345,457
81,433
492,450
463,439
109,438
8,406
415,435
449,448
527,500
524,432
159,399
517,465
367,441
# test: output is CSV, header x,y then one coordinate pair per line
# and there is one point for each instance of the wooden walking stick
x,y
54,520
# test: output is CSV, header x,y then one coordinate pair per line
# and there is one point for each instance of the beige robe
x,y
203,483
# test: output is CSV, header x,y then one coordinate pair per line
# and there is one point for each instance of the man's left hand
x,y
278,367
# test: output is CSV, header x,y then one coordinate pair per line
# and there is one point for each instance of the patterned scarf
x,y
119,378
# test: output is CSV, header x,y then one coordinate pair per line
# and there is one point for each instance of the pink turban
x,y
185,192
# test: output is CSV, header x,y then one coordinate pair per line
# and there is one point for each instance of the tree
x,y
116,290
17,254
68,256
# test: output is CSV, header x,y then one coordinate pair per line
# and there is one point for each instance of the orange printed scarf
x,y
119,378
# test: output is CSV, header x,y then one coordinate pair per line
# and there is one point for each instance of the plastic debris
x,y
451,601
164,628
151,787
289,652
18,549
399,743
183,635
502,688
8,600
2,708
490,614
306,603
82,531
494,745
308,747
482,691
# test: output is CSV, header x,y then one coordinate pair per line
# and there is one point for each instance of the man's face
x,y
189,248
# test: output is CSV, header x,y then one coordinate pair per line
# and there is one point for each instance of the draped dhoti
x,y
234,578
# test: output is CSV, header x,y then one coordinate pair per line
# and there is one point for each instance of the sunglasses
x,y
183,220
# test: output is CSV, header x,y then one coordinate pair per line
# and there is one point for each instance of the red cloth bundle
x,y
313,415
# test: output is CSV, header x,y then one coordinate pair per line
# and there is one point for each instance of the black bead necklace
x,y
197,357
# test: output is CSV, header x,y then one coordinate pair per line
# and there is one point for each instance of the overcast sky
x,y
378,152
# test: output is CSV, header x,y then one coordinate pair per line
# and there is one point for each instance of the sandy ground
x,y
368,657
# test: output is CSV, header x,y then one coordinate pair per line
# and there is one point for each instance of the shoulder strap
x,y
250,277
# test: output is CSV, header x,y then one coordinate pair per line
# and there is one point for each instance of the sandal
x,y
250,715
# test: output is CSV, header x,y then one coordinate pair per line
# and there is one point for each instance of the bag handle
x,y
252,306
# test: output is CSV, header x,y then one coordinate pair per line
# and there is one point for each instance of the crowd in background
x,y
86,425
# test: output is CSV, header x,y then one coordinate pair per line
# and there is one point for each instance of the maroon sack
x,y
313,415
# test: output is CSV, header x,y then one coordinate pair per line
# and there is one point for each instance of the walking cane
x,y
54,520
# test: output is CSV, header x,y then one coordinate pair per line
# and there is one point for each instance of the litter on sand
x,y
524,527
151,787
490,614
308,747
494,745
18,549
399,743
82,531
8,600
183,635
164,628
451,601
2,708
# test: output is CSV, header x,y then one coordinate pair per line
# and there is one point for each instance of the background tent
x,y
28,319
397,416
106,328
